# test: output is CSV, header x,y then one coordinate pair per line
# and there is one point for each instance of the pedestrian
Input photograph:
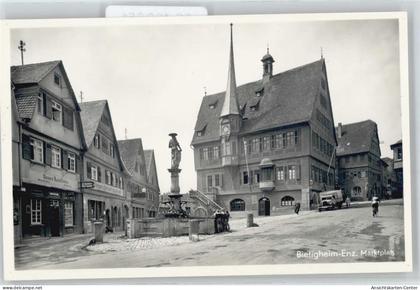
x,y
348,202
297,207
375,206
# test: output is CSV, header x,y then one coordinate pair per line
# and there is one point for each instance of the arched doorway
x,y
264,206
114,216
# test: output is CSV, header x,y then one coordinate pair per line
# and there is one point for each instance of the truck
x,y
330,200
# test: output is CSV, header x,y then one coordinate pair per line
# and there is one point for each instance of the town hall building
x,y
263,146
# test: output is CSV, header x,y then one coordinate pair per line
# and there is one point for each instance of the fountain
x,y
175,203
175,221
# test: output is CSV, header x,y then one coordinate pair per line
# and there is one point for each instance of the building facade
x,y
398,168
143,196
104,198
152,182
48,158
263,146
359,160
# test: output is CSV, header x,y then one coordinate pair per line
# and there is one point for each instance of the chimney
x,y
339,130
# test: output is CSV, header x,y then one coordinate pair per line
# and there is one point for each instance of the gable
x,y
322,114
132,155
34,80
151,168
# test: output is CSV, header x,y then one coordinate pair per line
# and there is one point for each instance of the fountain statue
x,y
175,202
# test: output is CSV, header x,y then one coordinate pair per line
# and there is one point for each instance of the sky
x,y
154,76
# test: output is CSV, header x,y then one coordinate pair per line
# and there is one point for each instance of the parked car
x,y
330,200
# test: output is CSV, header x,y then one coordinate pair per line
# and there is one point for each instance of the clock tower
x,y
230,118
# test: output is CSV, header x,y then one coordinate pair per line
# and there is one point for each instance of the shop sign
x,y
108,188
52,177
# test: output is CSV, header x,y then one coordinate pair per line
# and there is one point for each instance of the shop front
x,y
49,212
48,203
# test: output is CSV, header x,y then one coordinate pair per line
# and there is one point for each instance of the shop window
x,y
237,205
55,157
287,201
68,214
36,212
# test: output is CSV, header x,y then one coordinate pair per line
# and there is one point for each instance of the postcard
x,y
205,146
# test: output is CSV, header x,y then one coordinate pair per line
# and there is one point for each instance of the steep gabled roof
x,y
149,156
288,98
356,138
32,73
129,150
91,113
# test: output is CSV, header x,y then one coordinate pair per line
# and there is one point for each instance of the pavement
x,y
346,235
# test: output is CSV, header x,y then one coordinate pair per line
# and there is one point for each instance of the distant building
x,y
48,165
104,200
152,180
390,185
265,145
359,160
398,167
144,194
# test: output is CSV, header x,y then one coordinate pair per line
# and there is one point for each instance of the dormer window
x,y
255,106
213,105
57,79
200,132
260,92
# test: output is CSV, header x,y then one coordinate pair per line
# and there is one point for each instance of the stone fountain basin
x,y
167,227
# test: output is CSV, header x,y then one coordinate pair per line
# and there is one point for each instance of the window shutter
x,y
48,157
78,165
68,118
221,180
48,107
89,171
44,103
99,173
27,149
65,160
298,172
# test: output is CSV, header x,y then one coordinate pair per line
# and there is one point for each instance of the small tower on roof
x,y
267,61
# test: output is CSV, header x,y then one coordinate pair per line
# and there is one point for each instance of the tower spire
x,y
230,105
